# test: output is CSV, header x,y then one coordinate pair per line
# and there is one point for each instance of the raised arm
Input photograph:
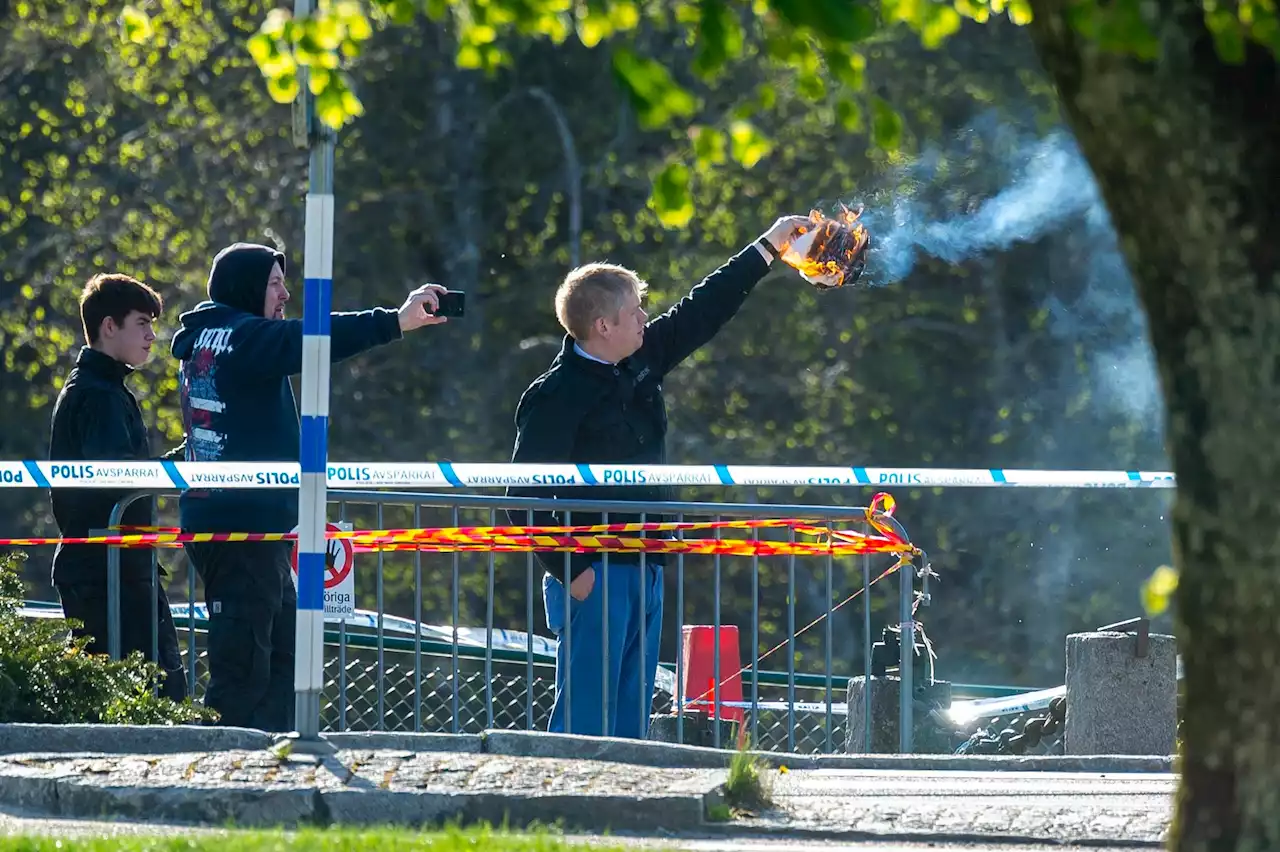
x,y
699,316
272,345
275,346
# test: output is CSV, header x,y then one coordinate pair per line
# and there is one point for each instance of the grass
x,y
311,840
747,787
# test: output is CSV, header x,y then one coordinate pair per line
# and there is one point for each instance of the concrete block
x,y
1117,701
377,740
391,807
19,737
698,730
596,814
29,791
203,805
928,736
608,749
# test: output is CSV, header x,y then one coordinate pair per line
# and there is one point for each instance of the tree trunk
x,y
1185,150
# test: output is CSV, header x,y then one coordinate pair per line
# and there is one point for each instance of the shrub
x,y
47,676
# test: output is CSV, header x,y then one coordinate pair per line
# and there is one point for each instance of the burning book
x,y
832,253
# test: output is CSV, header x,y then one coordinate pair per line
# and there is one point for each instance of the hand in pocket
x,y
583,584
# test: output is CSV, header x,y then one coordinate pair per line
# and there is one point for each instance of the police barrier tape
x,y
540,539
581,539
964,712
186,476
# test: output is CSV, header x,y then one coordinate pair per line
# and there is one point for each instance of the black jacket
x,y
96,418
238,405
585,411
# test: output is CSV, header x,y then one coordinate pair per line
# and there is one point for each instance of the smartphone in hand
x,y
453,303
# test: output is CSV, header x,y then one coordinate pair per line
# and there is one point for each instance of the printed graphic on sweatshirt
x,y
201,406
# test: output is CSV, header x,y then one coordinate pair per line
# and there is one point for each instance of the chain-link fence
x,y
361,695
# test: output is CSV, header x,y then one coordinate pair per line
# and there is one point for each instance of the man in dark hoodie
x,y
237,352
96,418
601,402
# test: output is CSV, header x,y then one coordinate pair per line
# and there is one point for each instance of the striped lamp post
x,y
317,294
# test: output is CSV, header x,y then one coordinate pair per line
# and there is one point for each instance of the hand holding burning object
x,y
830,253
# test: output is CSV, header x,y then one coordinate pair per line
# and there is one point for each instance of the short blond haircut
x,y
594,291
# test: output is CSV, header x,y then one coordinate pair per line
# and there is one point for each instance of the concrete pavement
x,y
587,785
1077,807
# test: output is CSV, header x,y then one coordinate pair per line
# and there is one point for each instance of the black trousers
x,y
253,611
87,603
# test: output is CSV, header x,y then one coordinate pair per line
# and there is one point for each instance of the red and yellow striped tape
x,y
572,539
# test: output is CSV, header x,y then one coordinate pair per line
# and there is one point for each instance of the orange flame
x,y
828,257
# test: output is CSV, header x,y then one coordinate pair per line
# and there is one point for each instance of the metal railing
x,y
374,506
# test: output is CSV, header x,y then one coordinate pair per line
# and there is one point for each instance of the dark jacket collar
x,y
102,366
570,357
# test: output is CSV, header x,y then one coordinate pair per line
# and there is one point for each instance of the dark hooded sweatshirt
x,y
237,403
96,418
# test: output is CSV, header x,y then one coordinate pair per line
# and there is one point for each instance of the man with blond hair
x,y
601,402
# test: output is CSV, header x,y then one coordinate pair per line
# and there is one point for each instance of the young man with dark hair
x,y
601,402
238,352
96,418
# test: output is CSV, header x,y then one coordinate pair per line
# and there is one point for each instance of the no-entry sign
x,y
339,574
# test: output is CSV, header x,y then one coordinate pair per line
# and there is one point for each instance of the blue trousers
x,y
581,668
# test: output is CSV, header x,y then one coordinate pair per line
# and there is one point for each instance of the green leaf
x,y
848,68
671,198
351,104
135,25
277,25
469,57
331,106
886,125
940,22
842,20
657,98
1261,21
1117,28
849,114
480,34
784,47
811,86
719,37
325,30
400,11
1158,589
709,146
749,146
355,20
261,48
594,25
318,80
283,88
625,15
1228,33
974,9
277,63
